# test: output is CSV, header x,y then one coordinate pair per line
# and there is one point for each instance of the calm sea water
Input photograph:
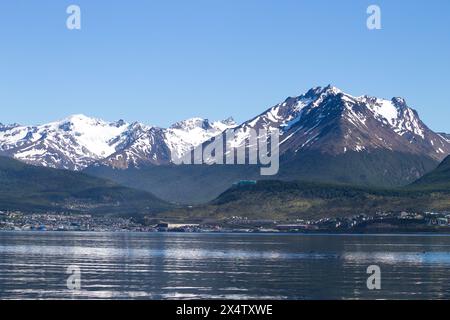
x,y
222,266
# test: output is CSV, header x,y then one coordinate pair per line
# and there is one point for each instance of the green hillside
x,y
436,180
292,200
32,189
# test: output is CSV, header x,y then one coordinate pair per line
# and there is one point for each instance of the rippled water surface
x,y
216,266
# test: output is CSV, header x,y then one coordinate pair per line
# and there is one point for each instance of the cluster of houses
x,y
66,222
17,221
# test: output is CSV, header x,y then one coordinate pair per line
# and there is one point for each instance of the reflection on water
x,y
400,257
228,266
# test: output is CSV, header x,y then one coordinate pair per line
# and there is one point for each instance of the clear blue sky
x,y
163,61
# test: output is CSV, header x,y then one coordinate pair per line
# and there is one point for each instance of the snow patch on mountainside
x,y
386,110
186,135
93,134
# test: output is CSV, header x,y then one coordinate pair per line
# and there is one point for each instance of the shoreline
x,y
387,234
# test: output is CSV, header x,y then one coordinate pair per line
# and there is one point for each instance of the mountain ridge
x,y
78,141
307,122
324,118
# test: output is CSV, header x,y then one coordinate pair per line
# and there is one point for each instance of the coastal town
x,y
362,223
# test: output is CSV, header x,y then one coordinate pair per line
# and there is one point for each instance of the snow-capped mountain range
x,y
78,141
324,119
333,122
